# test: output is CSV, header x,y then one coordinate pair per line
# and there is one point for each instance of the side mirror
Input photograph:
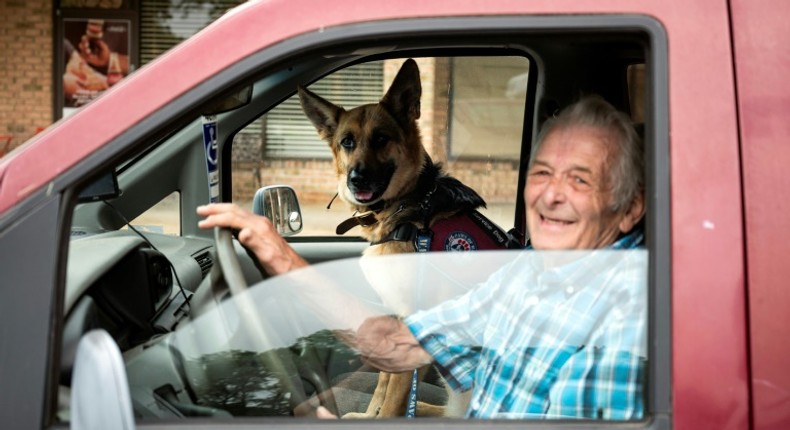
x,y
280,205
100,397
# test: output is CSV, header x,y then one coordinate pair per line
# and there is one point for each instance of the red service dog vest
x,y
467,231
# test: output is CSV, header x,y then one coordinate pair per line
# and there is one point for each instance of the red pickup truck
x,y
706,80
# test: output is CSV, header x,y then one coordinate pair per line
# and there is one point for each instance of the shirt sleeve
x,y
452,331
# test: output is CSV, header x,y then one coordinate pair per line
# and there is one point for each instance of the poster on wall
x,y
96,57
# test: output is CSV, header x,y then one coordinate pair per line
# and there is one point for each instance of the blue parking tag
x,y
210,145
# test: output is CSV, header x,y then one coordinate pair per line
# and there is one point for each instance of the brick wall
x,y
26,68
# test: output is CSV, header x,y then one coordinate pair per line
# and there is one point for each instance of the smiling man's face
x,y
569,192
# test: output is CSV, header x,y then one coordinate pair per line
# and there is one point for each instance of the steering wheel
x,y
304,365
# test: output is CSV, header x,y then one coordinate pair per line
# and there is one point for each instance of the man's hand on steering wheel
x,y
256,233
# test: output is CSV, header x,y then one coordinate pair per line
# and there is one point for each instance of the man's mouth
x,y
554,221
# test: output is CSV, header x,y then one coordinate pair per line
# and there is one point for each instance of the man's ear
x,y
323,114
634,213
403,98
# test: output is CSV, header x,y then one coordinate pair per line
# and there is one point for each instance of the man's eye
x,y
347,142
540,173
579,180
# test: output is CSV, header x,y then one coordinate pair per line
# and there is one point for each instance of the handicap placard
x,y
212,156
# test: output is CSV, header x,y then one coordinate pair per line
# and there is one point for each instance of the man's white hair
x,y
627,174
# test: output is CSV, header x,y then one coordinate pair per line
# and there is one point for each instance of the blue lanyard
x,y
411,408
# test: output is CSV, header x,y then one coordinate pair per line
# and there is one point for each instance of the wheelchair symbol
x,y
211,145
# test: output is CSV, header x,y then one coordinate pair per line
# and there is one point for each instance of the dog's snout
x,y
357,177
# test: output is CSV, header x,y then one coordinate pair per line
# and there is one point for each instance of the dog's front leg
x,y
379,394
396,396
429,410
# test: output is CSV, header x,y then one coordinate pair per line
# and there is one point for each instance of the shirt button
x,y
570,290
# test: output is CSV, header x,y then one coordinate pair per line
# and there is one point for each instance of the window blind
x,y
289,134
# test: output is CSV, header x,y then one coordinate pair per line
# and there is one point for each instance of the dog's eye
x,y
347,142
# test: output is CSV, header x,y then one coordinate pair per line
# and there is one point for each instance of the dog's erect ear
x,y
403,97
322,113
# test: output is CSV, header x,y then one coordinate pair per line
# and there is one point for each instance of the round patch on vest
x,y
460,241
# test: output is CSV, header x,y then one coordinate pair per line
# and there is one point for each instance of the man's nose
x,y
555,191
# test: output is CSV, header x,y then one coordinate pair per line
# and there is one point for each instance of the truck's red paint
x,y
760,34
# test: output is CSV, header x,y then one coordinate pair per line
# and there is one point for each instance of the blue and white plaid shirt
x,y
542,340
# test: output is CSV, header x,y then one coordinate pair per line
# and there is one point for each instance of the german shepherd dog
x,y
386,175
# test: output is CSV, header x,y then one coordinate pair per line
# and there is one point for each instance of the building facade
x,y
26,75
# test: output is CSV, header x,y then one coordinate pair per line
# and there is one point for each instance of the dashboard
x,y
133,286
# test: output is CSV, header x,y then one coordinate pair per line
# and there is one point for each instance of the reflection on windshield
x,y
292,352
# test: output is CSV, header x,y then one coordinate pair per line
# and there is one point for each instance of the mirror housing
x,y
233,101
105,187
280,205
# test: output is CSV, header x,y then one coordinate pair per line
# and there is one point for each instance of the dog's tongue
x,y
363,195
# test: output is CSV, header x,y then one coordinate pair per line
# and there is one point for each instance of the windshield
x,y
284,343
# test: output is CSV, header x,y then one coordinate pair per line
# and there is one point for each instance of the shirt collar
x,y
631,240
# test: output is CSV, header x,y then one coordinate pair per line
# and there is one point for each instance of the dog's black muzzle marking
x,y
367,184
358,180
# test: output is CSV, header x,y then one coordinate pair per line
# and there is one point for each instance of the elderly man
x,y
523,351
